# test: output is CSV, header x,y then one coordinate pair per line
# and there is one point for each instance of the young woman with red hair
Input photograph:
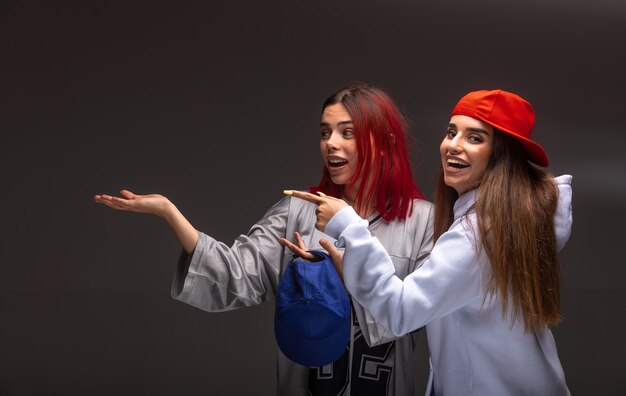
x,y
364,150
490,289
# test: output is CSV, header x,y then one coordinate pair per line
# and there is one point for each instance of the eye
x,y
475,139
450,133
325,133
347,133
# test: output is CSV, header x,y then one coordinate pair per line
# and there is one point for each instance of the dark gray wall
x,y
216,105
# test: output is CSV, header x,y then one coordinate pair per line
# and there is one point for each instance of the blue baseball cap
x,y
312,316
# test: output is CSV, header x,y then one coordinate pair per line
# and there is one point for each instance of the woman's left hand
x,y
301,250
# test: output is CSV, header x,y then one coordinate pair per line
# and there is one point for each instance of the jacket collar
x,y
464,203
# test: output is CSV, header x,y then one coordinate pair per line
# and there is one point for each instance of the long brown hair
x,y
381,133
515,205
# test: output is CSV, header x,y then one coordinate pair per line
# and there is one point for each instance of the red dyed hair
x,y
380,131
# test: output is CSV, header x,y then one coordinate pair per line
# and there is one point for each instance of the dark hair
x,y
380,132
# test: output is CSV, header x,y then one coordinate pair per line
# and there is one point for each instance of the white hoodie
x,y
474,351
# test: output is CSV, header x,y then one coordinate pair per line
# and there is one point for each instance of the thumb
x,y
127,194
333,252
335,255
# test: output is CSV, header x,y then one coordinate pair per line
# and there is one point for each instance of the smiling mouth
x,y
458,164
337,163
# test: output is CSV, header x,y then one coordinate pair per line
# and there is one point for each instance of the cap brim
x,y
536,153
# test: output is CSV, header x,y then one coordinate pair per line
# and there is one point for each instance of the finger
x,y
291,246
127,194
316,199
297,250
122,203
101,200
333,252
301,243
330,198
104,198
113,205
335,255
321,194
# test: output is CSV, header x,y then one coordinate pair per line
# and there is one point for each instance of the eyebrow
x,y
325,124
478,130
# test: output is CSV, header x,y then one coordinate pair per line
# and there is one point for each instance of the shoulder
x,y
298,204
418,223
291,204
564,186
422,212
291,208
288,210
422,206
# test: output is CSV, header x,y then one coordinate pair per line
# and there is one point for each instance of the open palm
x,y
152,203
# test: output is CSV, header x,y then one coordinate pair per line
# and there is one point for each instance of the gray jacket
x,y
220,278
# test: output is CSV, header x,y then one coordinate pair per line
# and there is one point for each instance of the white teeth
x,y
336,163
458,162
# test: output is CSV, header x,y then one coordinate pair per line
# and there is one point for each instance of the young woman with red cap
x,y
490,289
360,126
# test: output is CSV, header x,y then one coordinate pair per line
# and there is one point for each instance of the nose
x,y
331,142
455,145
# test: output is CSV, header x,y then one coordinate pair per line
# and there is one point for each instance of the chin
x,y
340,181
448,182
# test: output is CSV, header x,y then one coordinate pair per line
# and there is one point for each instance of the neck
x,y
365,211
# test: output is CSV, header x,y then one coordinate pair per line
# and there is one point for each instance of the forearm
x,y
186,234
447,280
216,277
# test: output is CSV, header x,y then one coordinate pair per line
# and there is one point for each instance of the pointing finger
x,y
316,199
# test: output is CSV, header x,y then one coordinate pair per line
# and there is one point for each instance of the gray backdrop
x,y
216,105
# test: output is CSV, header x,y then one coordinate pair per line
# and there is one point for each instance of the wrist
x,y
168,211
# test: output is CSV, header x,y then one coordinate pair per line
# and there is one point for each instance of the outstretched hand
x,y
158,205
301,250
155,204
326,206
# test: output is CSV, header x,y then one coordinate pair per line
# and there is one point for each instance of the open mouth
x,y
456,163
336,163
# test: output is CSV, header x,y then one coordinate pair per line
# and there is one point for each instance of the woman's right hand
x,y
158,205
327,206
155,204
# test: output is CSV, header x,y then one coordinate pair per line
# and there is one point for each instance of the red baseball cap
x,y
507,112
